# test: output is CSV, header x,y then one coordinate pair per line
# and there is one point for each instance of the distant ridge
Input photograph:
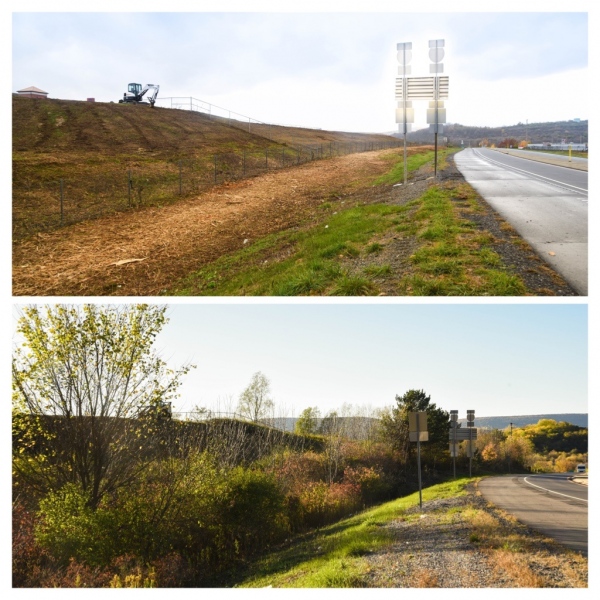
x,y
579,419
570,131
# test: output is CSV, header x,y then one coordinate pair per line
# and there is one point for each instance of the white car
x,y
581,469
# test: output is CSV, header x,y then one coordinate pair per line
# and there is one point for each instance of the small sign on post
x,y
453,429
417,431
471,427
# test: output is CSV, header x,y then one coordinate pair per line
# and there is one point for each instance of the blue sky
x,y
499,359
333,70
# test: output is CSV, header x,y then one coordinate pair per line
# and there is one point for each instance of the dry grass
x,y
517,566
527,559
422,578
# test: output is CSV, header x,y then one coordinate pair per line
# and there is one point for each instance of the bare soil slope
x,y
115,129
142,252
74,161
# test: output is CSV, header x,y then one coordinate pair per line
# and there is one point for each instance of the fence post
x,y
61,203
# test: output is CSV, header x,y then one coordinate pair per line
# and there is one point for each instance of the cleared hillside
x,y
111,129
74,161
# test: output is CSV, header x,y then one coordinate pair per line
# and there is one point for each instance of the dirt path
x,y
141,253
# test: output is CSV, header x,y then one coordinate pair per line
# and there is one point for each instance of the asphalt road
x,y
546,204
551,504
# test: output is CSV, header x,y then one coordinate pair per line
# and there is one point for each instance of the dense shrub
x,y
322,503
370,482
188,517
200,516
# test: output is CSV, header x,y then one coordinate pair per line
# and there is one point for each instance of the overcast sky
x,y
499,359
330,70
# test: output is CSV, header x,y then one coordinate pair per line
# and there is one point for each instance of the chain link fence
x,y
44,206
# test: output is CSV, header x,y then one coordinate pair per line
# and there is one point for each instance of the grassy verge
x,y
455,258
332,556
312,267
413,162
452,256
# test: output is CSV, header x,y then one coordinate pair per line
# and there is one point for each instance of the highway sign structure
x,y
463,433
460,434
421,88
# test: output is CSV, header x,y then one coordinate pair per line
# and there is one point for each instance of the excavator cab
x,y
134,88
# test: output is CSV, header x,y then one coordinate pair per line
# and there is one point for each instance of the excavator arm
x,y
152,97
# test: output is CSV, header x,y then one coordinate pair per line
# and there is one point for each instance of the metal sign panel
x,y
410,115
418,436
441,115
422,88
453,450
462,434
444,86
412,421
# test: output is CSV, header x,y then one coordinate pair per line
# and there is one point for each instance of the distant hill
x,y
359,423
535,133
579,419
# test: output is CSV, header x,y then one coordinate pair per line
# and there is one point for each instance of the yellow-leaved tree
x,y
85,379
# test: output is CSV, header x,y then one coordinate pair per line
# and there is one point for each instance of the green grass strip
x,y
312,267
332,557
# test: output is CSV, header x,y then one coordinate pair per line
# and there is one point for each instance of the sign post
x,y
461,434
436,54
417,428
453,427
470,426
406,115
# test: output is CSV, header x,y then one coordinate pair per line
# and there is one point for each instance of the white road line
x,y
560,183
552,492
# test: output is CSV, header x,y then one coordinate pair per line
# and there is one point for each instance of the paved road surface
x,y
550,504
546,204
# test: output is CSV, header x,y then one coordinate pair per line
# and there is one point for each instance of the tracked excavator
x,y
135,94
